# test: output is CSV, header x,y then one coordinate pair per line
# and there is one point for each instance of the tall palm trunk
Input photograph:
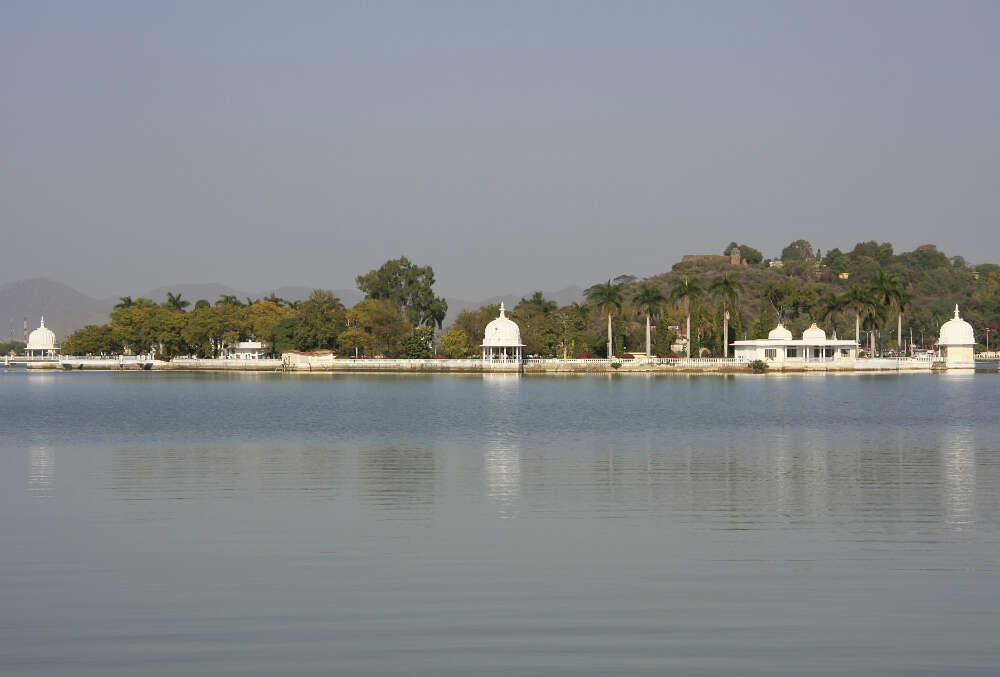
x,y
687,347
899,331
725,334
857,328
648,342
610,351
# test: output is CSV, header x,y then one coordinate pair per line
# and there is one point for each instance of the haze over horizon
x,y
511,147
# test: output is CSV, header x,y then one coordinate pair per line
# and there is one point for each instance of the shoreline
x,y
656,366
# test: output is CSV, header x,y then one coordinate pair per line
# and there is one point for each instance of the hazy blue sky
x,y
510,145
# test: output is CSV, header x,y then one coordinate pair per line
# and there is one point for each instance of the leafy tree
x,y
607,297
383,321
800,250
766,321
408,286
473,322
456,344
260,320
12,347
539,328
322,318
686,291
354,340
92,340
891,295
124,302
418,343
649,300
202,303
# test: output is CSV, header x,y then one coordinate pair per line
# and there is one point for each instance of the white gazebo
x,y
780,346
502,339
42,342
957,343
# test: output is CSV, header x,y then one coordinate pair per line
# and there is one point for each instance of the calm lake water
x,y
198,524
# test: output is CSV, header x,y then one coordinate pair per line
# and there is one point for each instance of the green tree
x,y
322,318
418,343
473,322
800,250
92,340
408,286
891,295
608,298
383,320
124,302
727,288
229,300
686,291
649,301
353,341
456,344
766,321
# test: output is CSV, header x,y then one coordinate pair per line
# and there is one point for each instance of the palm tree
x,y
649,300
276,300
228,300
607,297
125,302
685,290
176,302
891,295
829,307
862,301
727,288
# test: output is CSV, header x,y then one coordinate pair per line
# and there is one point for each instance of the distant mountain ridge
x,y
66,309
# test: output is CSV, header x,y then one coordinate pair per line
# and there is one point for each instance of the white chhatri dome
x,y
42,338
779,333
957,332
502,332
814,333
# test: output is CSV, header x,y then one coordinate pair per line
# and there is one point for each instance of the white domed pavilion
x,y
956,343
41,342
502,339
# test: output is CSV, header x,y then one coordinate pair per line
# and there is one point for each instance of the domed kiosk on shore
x,y
42,342
956,343
502,340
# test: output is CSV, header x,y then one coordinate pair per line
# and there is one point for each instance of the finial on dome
x,y
957,317
502,315
43,318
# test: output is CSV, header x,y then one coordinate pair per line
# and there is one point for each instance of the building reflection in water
x,y
41,474
502,468
958,481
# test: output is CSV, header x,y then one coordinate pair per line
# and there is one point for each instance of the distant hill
x,y
65,309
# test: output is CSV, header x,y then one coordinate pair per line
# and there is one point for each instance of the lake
x,y
274,524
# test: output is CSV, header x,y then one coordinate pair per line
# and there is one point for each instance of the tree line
x,y
699,306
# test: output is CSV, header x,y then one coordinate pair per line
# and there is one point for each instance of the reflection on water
x,y
958,457
502,466
502,525
42,473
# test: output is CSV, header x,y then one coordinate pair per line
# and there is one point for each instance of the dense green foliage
x,y
12,348
378,325
867,288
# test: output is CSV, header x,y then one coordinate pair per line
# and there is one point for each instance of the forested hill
x,y
806,285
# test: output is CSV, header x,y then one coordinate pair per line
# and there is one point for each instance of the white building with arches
x,y
781,347
42,342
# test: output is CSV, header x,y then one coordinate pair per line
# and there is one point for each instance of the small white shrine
x,y
957,343
42,342
503,339
780,346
